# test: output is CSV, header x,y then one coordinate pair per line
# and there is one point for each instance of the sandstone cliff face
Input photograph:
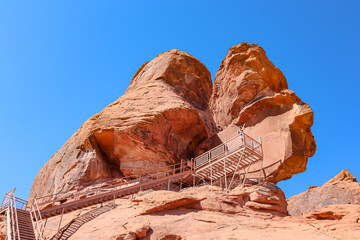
x,y
342,189
170,112
160,120
250,91
244,75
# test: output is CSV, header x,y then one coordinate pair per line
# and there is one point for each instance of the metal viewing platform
x,y
228,158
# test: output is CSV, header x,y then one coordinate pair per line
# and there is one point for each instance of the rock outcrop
x,y
263,198
250,91
342,189
337,212
160,119
199,213
245,75
170,112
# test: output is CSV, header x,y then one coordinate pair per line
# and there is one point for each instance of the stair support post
x,y
8,223
237,166
62,213
247,170
262,170
211,170
43,229
16,217
225,175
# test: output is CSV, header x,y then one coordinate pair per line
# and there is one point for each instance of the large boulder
x,y
342,189
250,91
170,112
244,75
161,119
263,198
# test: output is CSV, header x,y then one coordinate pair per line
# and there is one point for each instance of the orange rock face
x,y
350,212
160,119
199,213
244,75
264,198
342,189
250,91
171,111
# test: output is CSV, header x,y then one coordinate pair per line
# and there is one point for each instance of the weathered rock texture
x,y
160,119
199,213
245,75
264,198
342,189
165,115
337,212
249,90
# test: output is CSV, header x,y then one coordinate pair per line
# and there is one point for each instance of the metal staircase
x,y
26,229
217,164
108,194
19,222
69,229
228,158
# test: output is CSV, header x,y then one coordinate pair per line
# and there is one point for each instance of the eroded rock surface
x,y
265,198
250,91
245,75
213,215
160,119
342,189
170,112
337,212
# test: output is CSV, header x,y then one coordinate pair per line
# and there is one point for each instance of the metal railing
x,y
227,147
59,198
9,204
36,220
52,200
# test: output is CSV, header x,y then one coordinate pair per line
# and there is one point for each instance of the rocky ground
x,y
255,212
342,189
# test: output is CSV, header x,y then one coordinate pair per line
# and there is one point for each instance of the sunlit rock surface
x,y
342,189
160,119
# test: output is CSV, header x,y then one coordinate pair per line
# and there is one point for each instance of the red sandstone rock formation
x,y
199,213
342,189
263,198
249,90
245,75
160,119
337,212
165,115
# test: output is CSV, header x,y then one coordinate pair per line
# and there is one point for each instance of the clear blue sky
x,y
63,61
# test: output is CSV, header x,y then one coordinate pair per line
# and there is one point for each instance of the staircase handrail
x,y
36,220
126,181
244,140
9,204
16,216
